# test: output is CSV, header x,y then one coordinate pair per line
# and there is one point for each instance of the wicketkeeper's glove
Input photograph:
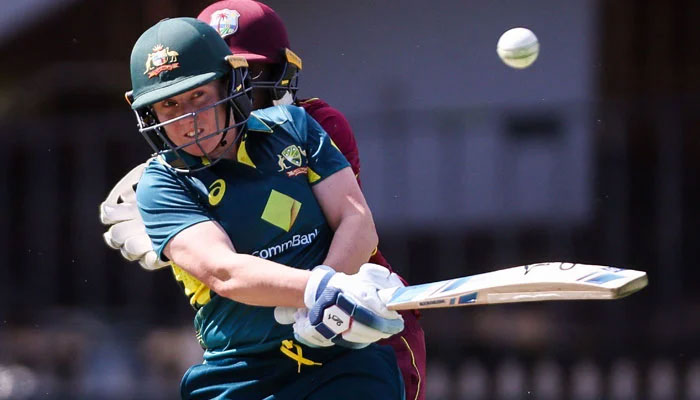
x,y
344,309
127,232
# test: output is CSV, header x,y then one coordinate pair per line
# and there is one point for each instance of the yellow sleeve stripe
x,y
243,156
313,176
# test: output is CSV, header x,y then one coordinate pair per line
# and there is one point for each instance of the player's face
x,y
195,130
260,72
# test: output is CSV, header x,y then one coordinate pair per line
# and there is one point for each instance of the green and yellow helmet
x,y
177,55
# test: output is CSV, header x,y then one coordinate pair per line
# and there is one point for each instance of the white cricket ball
x,y
518,47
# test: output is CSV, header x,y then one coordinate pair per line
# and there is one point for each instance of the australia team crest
x,y
160,60
225,22
291,157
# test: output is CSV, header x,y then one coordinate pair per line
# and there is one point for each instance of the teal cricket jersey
x,y
264,202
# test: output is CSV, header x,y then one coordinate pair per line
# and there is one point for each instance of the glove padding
x,y
127,232
345,309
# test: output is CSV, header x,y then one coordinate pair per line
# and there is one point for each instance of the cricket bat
x,y
535,282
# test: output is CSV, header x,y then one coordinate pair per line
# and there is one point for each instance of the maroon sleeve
x,y
409,345
338,128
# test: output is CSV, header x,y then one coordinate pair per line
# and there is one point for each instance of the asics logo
x,y
217,189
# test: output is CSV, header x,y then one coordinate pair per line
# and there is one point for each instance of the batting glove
x,y
127,232
344,309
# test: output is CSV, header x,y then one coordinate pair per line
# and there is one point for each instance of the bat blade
x,y
535,282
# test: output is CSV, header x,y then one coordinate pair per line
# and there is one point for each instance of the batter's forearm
x,y
245,278
353,243
206,253
255,281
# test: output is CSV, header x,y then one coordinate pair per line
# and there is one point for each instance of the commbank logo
x,y
295,241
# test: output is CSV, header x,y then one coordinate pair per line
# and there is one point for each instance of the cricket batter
x,y
255,31
247,234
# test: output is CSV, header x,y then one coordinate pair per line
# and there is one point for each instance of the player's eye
x,y
168,103
255,75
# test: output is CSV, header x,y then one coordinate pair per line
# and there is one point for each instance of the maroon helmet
x,y
254,31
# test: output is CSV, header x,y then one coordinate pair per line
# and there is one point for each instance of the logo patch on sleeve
x,y
281,210
292,157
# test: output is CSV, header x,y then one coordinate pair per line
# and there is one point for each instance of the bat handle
x,y
386,294
286,315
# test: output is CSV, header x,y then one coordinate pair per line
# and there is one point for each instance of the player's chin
x,y
203,148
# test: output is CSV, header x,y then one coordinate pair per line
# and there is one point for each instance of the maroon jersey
x,y
408,345
338,128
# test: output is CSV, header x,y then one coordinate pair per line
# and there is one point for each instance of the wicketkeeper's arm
x,y
126,231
